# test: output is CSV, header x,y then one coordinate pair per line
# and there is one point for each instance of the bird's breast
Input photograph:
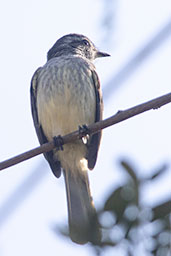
x,y
65,98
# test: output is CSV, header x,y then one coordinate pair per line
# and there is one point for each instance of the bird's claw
x,y
83,131
58,142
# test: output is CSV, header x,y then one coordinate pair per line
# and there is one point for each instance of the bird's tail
x,y
83,224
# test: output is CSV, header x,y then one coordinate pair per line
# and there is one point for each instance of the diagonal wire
x,y
130,67
22,191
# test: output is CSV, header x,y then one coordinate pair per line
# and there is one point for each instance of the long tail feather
x,y
83,224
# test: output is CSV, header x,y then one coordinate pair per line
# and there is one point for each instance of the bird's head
x,y
75,44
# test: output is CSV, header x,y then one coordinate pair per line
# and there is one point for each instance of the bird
x,y
65,95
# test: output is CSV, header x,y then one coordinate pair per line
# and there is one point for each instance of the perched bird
x,y
66,94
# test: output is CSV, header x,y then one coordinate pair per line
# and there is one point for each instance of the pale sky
x,y
29,29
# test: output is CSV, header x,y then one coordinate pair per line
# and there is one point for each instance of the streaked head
x,y
75,44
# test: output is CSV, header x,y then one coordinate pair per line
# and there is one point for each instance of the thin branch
x,y
93,128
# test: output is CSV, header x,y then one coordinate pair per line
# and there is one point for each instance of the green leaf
x,y
162,210
160,171
129,169
116,203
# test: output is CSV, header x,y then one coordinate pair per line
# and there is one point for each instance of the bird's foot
x,y
84,133
83,130
58,142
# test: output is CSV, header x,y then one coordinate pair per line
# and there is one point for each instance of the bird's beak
x,y
102,54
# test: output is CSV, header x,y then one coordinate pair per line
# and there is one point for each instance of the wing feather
x,y
94,142
54,164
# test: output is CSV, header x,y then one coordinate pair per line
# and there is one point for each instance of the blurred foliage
x,y
129,223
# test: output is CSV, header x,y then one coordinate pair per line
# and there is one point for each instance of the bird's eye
x,y
85,42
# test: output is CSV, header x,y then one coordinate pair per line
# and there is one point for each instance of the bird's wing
x,y
54,164
93,145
